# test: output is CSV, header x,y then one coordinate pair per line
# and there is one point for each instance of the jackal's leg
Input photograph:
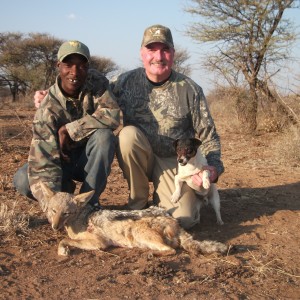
x,y
150,239
88,244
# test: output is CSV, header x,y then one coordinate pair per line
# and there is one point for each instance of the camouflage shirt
x,y
95,108
164,113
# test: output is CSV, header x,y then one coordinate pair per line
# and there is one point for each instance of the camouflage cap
x,y
73,47
158,34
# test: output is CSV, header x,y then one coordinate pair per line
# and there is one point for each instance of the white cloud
x,y
72,16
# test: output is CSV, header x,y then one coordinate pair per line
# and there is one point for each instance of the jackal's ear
x,y
84,198
48,193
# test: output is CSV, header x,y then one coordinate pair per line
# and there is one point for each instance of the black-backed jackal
x,y
150,228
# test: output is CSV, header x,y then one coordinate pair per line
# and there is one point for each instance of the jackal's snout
x,y
57,219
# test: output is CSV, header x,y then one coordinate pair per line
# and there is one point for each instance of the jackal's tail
x,y
203,247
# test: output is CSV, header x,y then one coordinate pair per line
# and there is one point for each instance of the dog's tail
x,y
204,247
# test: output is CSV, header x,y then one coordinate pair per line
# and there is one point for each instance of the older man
x,y
159,106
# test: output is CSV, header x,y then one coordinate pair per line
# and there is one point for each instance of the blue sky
x,y
112,28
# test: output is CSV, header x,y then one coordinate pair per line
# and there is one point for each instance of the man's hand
x,y
38,97
65,143
197,178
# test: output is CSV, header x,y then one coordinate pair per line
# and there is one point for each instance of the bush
x,y
222,107
287,148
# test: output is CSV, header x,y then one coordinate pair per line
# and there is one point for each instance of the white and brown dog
x,y
191,162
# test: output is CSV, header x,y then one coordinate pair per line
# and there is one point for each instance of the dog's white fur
x,y
208,191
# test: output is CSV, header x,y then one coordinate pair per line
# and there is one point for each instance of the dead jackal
x,y
152,228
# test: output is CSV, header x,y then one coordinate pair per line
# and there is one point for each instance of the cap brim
x,y
63,57
158,41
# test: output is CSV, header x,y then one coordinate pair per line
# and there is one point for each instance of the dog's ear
x,y
175,143
82,199
196,142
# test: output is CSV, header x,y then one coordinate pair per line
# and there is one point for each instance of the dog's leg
x,y
214,199
205,179
178,184
205,200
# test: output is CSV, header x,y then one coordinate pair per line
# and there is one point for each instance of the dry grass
x,y
270,266
270,119
254,264
23,102
287,150
12,222
222,107
4,182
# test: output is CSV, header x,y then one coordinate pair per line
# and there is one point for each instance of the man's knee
x,y
185,217
188,210
130,138
102,139
188,222
127,136
103,135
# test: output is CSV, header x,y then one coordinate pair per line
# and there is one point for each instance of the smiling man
x,y
72,131
157,55
159,106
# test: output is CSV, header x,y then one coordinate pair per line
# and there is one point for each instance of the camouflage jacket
x,y
95,108
176,109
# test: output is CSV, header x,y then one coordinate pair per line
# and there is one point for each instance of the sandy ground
x,y
260,202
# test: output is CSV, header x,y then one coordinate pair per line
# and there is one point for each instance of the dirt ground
x,y
260,202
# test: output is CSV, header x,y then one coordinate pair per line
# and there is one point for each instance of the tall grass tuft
x,y
12,222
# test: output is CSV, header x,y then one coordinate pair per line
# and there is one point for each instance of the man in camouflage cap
x,y
72,131
160,105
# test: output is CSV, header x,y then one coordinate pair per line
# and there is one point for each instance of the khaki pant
x,y
140,165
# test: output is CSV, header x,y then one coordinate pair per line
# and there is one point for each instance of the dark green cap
x,y
73,47
158,34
